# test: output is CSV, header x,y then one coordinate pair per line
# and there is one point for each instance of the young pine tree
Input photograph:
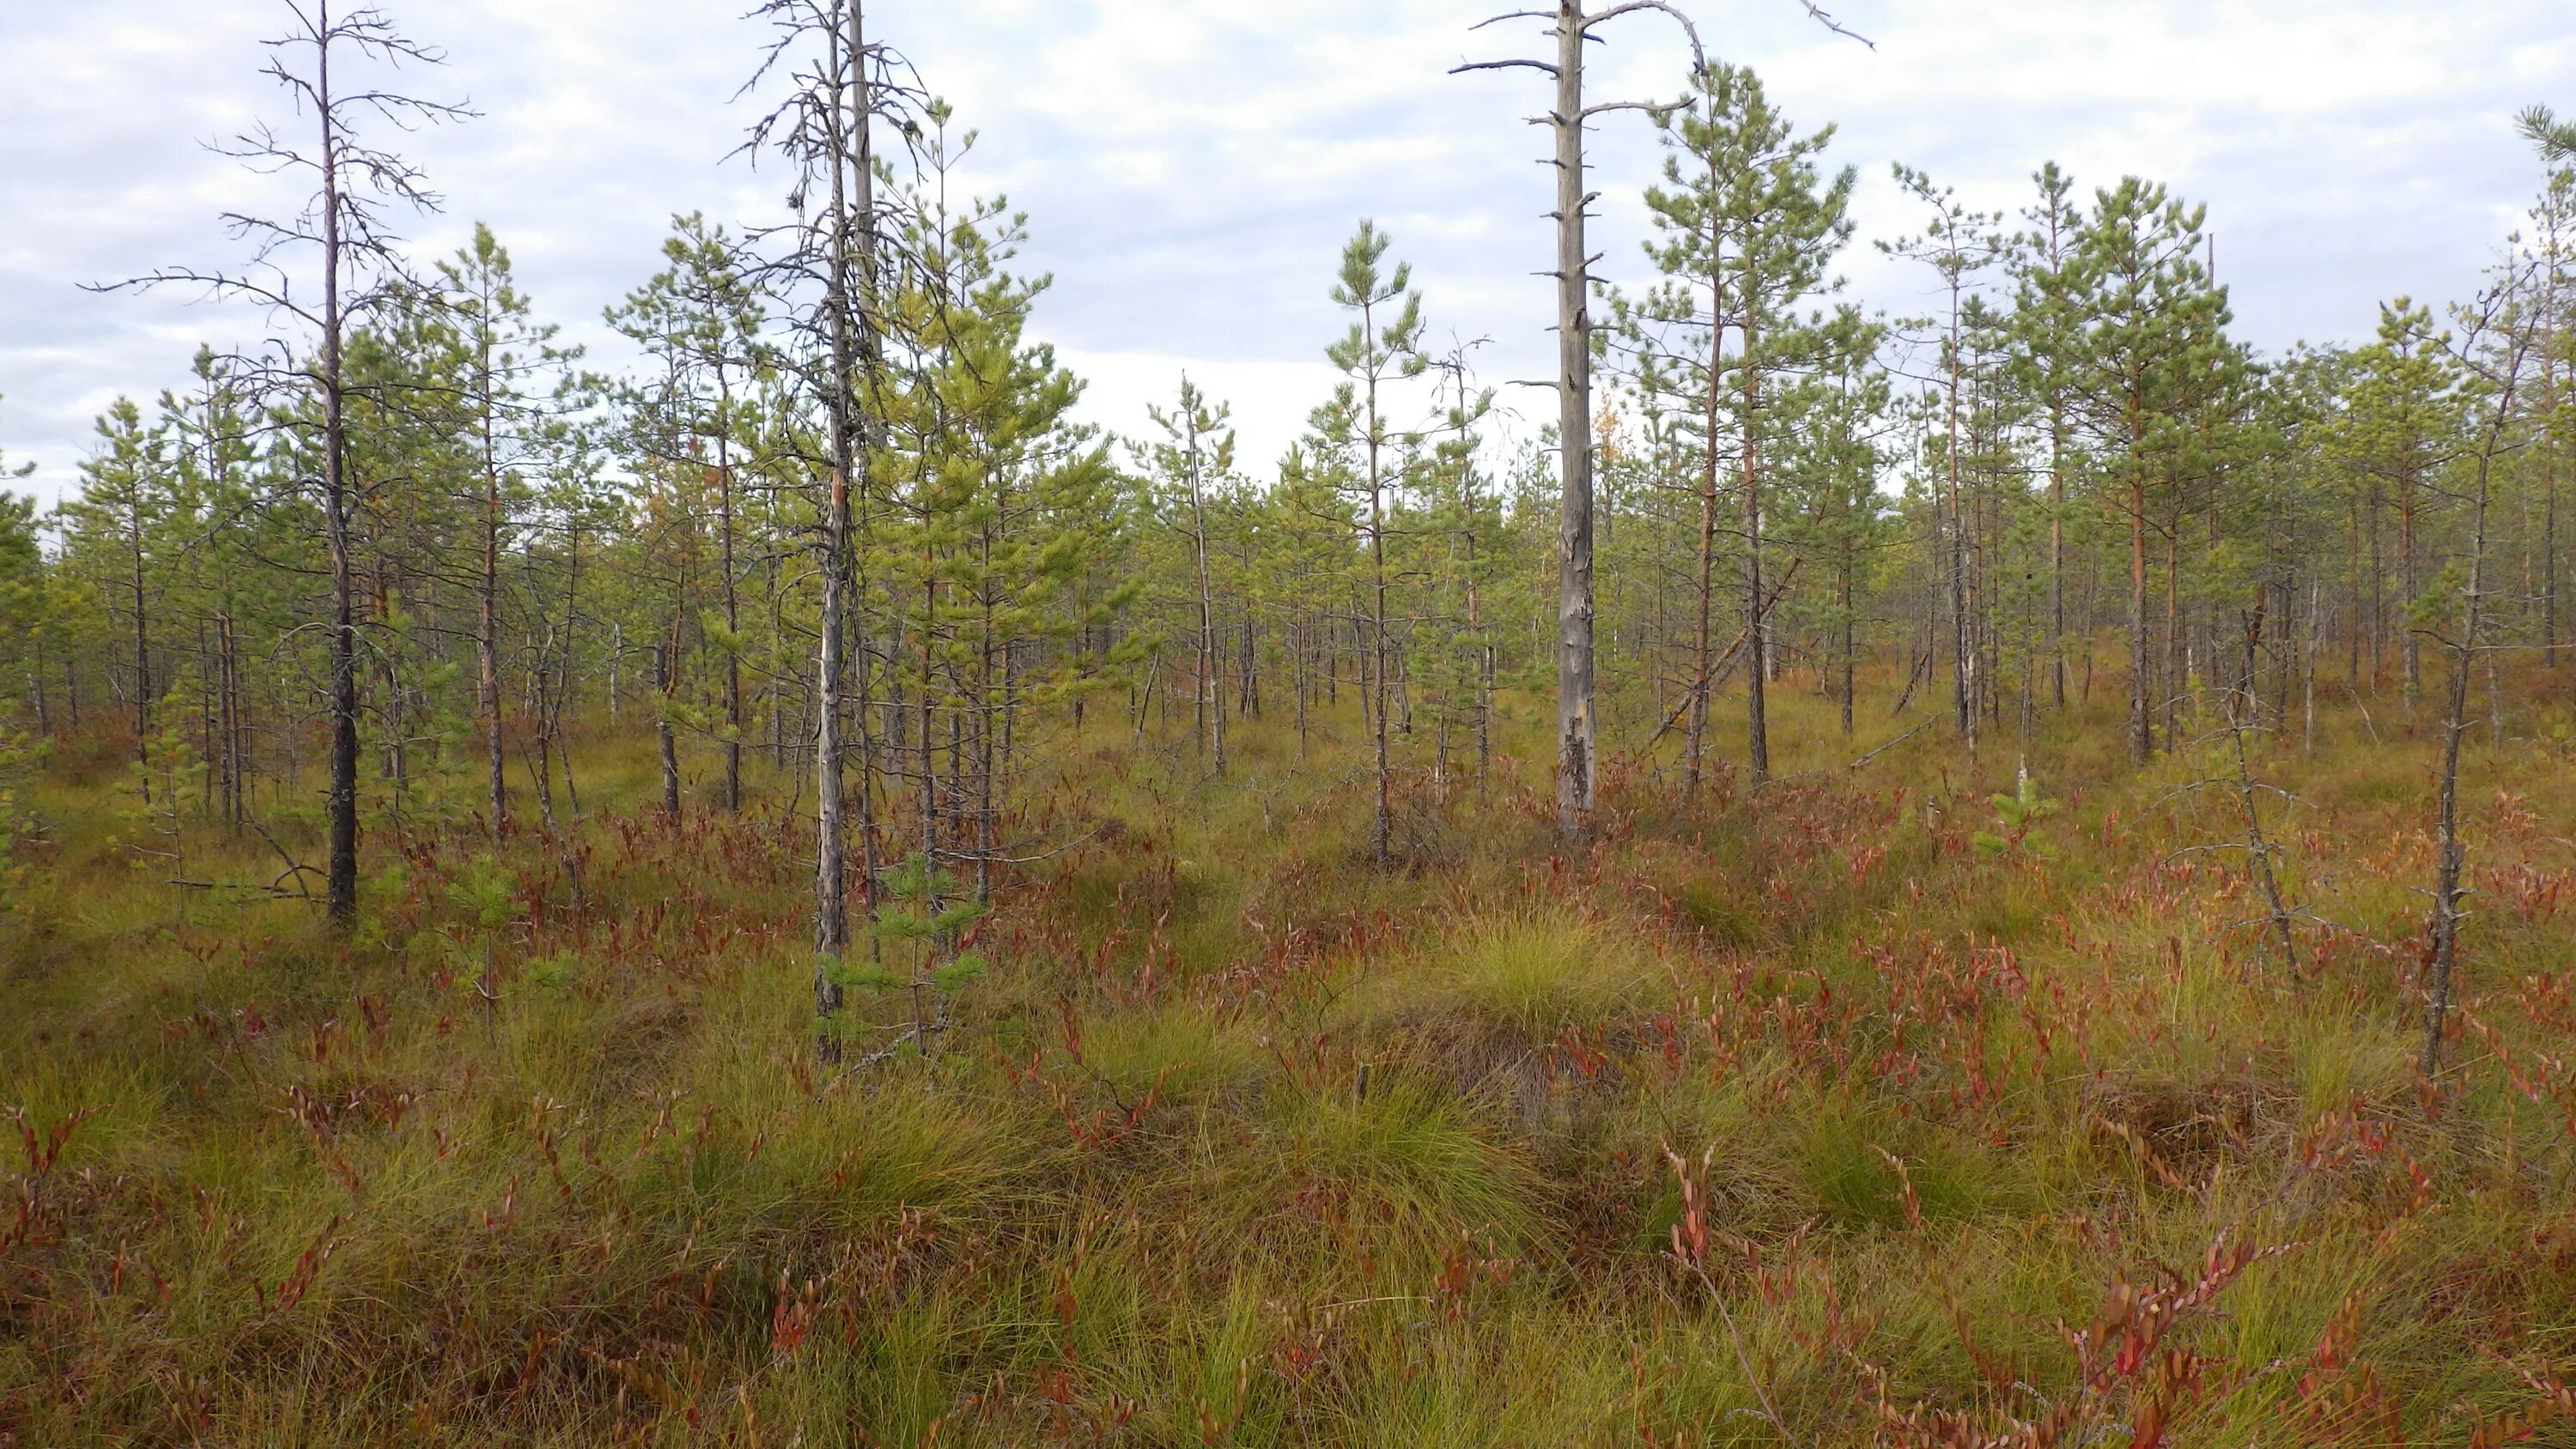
x,y
1747,230
1382,347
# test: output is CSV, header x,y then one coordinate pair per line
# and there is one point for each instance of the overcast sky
x,y
1191,166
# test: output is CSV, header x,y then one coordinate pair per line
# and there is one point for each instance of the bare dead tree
x,y
355,270
1572,24
2491,351
841,84
2244,715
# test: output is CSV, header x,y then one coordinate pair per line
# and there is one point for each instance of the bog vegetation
x,y
1992,879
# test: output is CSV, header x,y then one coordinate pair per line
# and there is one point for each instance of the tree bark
x,y
1577,748
487,657
341,872
852,235
1756,613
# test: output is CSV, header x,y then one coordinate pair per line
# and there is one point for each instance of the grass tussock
x,y
1789,1115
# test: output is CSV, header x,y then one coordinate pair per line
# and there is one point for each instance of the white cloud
x,y
1191,166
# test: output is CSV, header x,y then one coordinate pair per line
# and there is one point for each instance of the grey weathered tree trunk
x,y
1381,833
666,735
1577,747
1963,679
1577,743
2244,714
2442,955
841,116
341,870
1756,621
353,182
1211,697
732,601
487,592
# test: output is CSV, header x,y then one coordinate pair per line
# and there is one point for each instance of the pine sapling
x,y
925,932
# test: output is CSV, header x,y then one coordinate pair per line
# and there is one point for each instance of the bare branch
x,y
1816,12
1699,55
1649,107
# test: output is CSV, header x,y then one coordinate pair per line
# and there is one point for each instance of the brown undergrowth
x,y
1795,1115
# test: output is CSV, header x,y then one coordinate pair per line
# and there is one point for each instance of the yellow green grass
x,y
1788,1115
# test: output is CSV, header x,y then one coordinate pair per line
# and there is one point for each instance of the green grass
x,y
1247,1142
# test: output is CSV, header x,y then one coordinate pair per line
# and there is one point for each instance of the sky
x,y
1191,167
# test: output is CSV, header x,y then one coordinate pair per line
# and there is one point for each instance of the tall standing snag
x,y
359,272
1577,742
825,128
2491,354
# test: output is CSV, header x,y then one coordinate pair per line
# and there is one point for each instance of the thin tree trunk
x,y
1756,621
341,872
2057,556
486,621
666,680
1843,605
850,324
733,614
142,648
2442,955
1963,659
2308,673
2410,652
1577,751
2141,723
1211,699
1380,829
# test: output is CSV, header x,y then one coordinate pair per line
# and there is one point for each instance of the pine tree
x,y
700,320
831,270
27,593
2399,423
2154,354
218,573
504,365
1311,563
1833,450
115,531
1195,455
1457,527
356,270
1383,346
1746,223
1958,243
2045,332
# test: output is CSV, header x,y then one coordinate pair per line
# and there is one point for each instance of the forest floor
x,y
1794,1115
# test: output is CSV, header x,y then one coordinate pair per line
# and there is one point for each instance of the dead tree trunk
x,y
1577,741
2501,376
824,128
